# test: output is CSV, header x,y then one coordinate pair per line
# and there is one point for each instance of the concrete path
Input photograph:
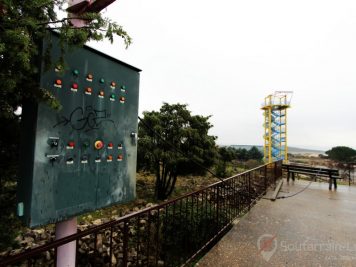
x,y
314,228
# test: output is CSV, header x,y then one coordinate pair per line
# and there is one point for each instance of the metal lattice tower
x,y
275,126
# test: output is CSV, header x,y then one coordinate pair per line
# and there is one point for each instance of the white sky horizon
x,y
223,57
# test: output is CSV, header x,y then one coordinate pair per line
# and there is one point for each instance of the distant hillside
x,y
292,150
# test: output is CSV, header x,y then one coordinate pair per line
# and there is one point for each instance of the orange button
x,y
88,90
109,157
98,144
58,82
101,93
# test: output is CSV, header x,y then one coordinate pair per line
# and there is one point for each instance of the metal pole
x,y
66,253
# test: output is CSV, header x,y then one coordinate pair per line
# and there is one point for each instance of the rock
x,y
136,209
48,255
39,231
97,222
142,221
113,212
148,205
89,217
160,263
27,240
113,260
99,241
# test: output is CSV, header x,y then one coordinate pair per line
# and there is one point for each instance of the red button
x,y
75,86
88,90
109,157
58,82
110,144
119,157
71,144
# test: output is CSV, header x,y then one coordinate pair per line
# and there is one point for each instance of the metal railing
x,y
169,234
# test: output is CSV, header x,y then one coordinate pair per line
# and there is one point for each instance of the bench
x,y
332,174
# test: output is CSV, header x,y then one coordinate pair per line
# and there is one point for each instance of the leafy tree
x,y
173,142
255,153
342,154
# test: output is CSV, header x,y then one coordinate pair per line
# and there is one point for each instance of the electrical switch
x,y
109,158
97,159
119,146
101,94
123,88
70,161
58,83
70,145
53,142
90,77
75,72
74,87
85,144
112,85
110,145
58,68
101,80
119,158
98,144
122,99
88,91
112,97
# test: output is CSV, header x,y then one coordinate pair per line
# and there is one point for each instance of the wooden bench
x,y
332,174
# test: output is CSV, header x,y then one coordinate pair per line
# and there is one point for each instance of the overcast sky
x,y
223,57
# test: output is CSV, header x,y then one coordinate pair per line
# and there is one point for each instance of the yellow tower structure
x,y
275,126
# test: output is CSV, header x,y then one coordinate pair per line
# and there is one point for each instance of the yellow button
x,y
98,144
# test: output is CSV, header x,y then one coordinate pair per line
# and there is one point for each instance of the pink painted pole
x,y
66,253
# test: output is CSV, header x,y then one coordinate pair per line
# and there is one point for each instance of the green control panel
x,y
82,157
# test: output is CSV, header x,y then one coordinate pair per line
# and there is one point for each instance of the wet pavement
x,y
316,227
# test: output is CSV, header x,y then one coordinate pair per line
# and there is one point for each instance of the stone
x,y
160,263
48,255
113,260
97,222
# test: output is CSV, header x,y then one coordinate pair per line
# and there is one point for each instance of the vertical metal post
x,y
66,253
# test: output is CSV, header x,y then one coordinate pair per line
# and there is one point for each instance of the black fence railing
x,y
169,234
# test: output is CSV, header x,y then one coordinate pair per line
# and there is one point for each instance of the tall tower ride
x,y
275,126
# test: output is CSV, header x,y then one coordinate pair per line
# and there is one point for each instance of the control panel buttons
x,y
119,158
70,161
112,85
75,72
109,158
98,144
110,145
123,88
74,87
101,94
112,97
98,159
119,146
101,80
122,100
90,77
58,83
88,91
70,145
